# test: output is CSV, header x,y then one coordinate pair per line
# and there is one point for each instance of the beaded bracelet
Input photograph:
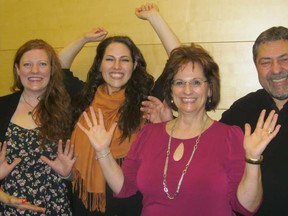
x,y
254,161
103,156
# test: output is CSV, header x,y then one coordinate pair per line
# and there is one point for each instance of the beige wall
x,y
227,28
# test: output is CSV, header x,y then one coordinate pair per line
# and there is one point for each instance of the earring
x,y
209,100
172,101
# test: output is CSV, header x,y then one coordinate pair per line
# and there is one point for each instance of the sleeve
x,y
131,166
72,84
235,167
158,88
233,116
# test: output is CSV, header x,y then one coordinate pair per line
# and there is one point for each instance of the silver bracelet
x,y
103,156
65,177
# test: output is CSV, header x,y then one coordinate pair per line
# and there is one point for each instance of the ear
x,y
210,91
17,69
135,65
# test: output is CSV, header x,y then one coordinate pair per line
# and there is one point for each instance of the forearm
x,y
168,38
68,53
250,190
111,171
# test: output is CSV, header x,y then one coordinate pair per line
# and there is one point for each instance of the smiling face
x,y
190,98
117,66
34,71
272,67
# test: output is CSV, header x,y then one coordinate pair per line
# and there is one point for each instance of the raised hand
x,y
155,111
65,159
265,131
18,203
6,168
95,35
99,137
144,11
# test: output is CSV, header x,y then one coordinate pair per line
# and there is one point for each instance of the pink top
x,y
210,184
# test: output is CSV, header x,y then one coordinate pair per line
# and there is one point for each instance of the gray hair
x,y
272,34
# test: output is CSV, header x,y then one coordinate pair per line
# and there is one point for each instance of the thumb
x,y
46,160
15,162
247,129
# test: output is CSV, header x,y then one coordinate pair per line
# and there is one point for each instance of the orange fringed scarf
x,y
87,174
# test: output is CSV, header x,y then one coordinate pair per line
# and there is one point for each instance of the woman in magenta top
x,y
191,165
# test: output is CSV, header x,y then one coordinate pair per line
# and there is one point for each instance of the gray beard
x,y
279,97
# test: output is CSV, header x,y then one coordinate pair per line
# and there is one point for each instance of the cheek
x,y
104,67
262,72
174,93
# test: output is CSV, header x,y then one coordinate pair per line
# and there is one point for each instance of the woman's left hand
x,y
65,159
265,131
146,10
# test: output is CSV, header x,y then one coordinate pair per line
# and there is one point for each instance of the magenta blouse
x,y
210,184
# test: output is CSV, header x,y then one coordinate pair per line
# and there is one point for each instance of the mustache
x,y
281,75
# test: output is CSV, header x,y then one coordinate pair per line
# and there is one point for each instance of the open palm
x,y
65,159
265,131
97,134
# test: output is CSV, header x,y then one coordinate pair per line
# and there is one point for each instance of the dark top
x,y
275,165
8,105
32,178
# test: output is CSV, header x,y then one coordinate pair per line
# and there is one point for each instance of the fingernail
x,y
23,200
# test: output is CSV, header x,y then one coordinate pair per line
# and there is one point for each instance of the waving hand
x,y
99,137
265,131
65,159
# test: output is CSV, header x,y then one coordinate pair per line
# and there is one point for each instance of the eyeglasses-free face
x,y
272,67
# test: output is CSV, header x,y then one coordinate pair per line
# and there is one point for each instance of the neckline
x,y
31,129
188,139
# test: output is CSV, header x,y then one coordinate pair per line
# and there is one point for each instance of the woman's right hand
x,y
95,35
96,132
6,168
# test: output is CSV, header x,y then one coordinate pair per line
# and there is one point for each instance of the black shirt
x,y
275,165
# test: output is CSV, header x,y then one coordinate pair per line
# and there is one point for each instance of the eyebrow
x,y
267,58
108,55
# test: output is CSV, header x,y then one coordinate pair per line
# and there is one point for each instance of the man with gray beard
x,y
270,54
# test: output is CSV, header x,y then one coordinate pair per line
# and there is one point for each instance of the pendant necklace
x,y
29,112
165,187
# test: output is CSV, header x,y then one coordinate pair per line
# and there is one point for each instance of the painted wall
x,y
226,28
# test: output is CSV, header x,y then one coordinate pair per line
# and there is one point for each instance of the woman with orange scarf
x,y
117,83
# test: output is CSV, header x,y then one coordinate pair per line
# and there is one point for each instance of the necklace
x,y
165,187
30,112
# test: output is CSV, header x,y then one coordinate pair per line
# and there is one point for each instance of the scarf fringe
x,y
91,201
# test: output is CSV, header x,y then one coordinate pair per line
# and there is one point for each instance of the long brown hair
x,y
137,88
53,112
